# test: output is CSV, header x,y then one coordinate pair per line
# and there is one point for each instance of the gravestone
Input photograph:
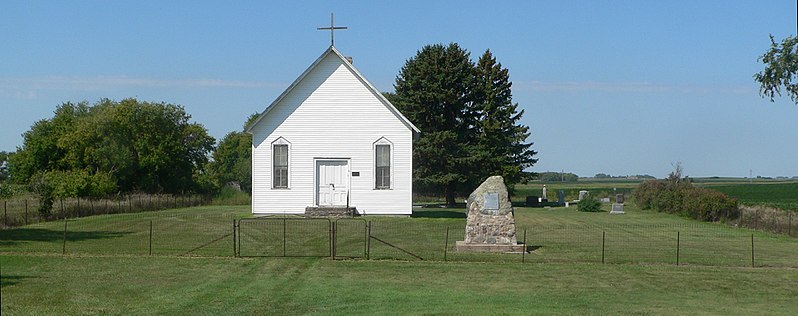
x,y
561,197
582,194
490,224
617,207
605,200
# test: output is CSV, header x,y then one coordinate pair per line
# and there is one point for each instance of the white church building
x,y
331,140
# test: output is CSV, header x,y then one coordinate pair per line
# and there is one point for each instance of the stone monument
x,y
617,207
582,194
490,225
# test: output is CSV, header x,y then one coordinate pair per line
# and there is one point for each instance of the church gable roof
x,y
358,75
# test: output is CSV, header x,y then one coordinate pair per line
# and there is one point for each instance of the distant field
x,y
778,195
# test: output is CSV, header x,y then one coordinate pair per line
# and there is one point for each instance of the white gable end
x,y
331,113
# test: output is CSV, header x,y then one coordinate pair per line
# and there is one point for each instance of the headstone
x,y
545,196
605,200
490,224
582,194
532,201
560,197
617,207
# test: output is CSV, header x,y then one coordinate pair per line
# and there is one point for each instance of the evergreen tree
x,y
434,89
470,127
501,138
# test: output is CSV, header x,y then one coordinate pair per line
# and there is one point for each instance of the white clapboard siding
x,y
331,112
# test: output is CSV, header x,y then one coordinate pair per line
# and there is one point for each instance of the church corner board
x,y
332,141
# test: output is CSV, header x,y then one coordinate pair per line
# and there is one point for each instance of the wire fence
x,y
769,219
19,212
227,234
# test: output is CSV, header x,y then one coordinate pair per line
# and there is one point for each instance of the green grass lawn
x,y
552,235
187,286
108,270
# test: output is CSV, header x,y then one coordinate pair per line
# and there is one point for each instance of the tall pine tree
x,y
501,138
434,90
470,127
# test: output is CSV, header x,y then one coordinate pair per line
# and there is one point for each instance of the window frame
x,y
281,142
383,142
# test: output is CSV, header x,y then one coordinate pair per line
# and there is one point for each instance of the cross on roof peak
x,y
332,29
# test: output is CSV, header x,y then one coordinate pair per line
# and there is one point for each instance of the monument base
x,y
462,246
617,208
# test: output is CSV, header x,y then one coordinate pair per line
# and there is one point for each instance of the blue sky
x,y
618,87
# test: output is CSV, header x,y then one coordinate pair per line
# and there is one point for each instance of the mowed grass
x,y
107,269
552,235
202,231
187,286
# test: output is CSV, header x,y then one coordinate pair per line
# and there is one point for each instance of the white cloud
x,y
28,88
578,86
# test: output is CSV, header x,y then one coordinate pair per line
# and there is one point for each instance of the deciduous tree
x,y
232,159
130,145
781,68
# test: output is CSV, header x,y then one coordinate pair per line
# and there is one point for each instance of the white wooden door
x,y
332,179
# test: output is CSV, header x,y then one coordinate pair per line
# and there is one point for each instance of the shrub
x,y
646,193
589,204
678,196
231,196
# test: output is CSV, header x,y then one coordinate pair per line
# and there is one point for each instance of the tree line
x,y
470,129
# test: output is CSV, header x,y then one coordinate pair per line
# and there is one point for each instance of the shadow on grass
x,y
531,248
6,280
10,237
438,213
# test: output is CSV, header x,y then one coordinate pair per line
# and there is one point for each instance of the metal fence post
x,y
284,235
523,252
678,241
150,238
603,234
332,239
752,251
234,238
63,247
368,242
446,244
